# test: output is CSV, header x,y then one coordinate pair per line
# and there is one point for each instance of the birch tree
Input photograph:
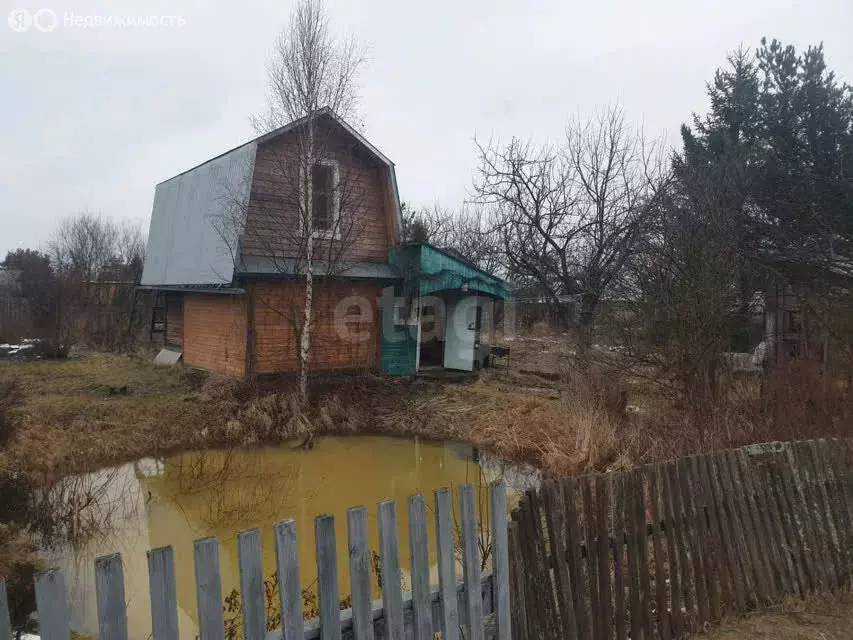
x,y
309,72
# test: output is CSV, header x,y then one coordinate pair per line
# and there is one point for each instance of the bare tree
x,y
305,209
570,216
97,263
464,233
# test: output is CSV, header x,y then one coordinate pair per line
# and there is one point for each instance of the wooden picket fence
x,y
660,551
478,603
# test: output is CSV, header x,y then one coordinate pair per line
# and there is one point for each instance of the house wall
x,y
277,304
272,221
215,333
175,319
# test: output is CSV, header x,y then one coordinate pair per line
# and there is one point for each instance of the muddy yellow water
x,y
173,501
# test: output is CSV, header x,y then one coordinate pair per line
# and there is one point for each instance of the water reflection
x,y
153,503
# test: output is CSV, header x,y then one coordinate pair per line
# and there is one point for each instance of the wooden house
x,y
230,287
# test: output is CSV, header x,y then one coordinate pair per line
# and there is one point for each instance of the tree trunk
x,y
305,334
585,325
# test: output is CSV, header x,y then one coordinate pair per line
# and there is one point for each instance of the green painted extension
x,y
425,270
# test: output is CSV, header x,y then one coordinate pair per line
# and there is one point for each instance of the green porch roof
x,y
426,269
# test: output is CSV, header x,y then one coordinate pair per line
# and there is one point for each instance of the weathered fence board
x,y
252,585
163,591
211,620
359,572
728,531
483,603
109,593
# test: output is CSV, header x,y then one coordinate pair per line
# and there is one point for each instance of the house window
x,y
324,195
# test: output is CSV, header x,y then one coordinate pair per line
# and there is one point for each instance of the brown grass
x,y
795,619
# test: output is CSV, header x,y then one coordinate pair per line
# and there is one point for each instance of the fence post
x,y
392,588
208,584
163,591
109,592
52,605
5,622
289,587
471,563
419,567
252,585
359,572
500,560
327,577
446,564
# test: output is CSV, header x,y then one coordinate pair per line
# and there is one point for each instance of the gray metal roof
x,y
189,242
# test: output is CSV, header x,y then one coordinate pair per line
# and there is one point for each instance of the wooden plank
x,y
359,572
52,605
392,587
519,617
251,584
208,584
706,536
643,553
419,567
446,564
809,519
682,545
554,516
619,619
328,591
823,516
830,515
731,501
827,458
775,484
573,556
722,579
591,565
745,529
796,513
767,495
602,527
5,620
675,592
163,592
289,585
631,526
762,541
500,561
737,593
538,585
664,630
691,534
838,457
538,538
109,593
471,562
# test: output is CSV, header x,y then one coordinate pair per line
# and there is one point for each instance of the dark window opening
x,y
321,198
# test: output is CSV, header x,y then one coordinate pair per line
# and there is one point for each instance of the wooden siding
x,y
272,223
215,333
175,319
275,345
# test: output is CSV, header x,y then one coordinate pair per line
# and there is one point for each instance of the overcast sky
x,y
93,118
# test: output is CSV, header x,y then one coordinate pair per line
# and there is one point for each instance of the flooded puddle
x,y
173,501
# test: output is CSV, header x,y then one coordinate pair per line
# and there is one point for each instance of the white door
x,y
459,333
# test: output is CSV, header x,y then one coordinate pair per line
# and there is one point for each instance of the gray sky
x,y
93,118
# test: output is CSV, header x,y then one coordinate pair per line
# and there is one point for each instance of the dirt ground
x,y
830,619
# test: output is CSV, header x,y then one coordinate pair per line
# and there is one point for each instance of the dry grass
x,y
813,619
